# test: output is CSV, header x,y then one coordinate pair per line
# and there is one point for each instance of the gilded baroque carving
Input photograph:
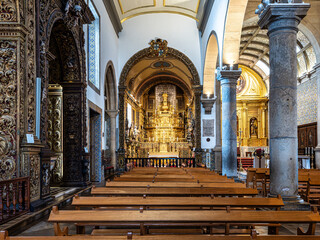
x,y
8,111
31,74
70,16
34,161
55,132
8,11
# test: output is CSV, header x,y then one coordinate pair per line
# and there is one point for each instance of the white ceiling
x,y
127,9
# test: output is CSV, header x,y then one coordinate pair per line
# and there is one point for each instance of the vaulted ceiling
x,y
127,9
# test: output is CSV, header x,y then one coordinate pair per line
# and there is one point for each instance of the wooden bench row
x,y
180,218
116,191
174,202
130,236
175,184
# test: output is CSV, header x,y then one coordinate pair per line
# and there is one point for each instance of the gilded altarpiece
x,y
252,111
194,123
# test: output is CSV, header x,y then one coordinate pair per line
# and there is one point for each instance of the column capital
x,y
197,89
112,113
229,76
207,104
285,12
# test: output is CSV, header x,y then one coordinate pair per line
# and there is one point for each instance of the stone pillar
x,y
218,149
113,124
228,80
317,149
282,21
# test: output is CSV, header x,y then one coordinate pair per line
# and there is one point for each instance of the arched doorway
x,y
151,83
62,63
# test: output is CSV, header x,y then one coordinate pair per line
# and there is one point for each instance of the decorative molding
x,y
202,24
114,17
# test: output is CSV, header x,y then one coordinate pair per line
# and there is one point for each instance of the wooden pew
x,y
159,179
184,218
312,193
174,184
150,179
172,202
130,236
173,191
303,179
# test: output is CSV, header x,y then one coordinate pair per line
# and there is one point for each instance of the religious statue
x,y
253,127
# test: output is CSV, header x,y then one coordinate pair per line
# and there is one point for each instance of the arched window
x,y
305,53
93,49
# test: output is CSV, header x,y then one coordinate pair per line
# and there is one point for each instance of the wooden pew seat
x,y
174,191
172,202
130,236
181,218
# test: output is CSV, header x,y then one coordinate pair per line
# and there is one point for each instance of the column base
x,y
294,203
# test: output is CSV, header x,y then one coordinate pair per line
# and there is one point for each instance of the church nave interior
x,y
159,119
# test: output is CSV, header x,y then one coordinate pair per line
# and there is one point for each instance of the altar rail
x,y
160,162
14,198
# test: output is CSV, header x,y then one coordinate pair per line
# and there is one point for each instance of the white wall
x,y
181,33
216,23
109,47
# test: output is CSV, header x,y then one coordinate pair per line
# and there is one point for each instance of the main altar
x,y
165,125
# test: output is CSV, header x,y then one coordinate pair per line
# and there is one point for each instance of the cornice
x,y
113,15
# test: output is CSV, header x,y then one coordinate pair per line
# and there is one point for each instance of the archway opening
x,y
66,113
158,104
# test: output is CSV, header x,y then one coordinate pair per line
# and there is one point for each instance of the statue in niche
x,y
253,127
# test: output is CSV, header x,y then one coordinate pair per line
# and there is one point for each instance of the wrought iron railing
x,y
160,162
14,198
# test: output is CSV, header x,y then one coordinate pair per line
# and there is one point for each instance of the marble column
x,y
228,79
317,149
113,145
282,21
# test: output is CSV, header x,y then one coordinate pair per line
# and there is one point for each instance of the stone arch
x,y
211,60
232,32
155,80
171,53
196,87
53,15
110,89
